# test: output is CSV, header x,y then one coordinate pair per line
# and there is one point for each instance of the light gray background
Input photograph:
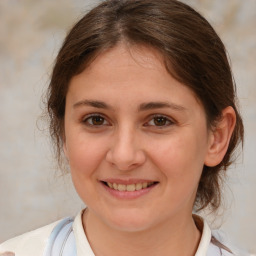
x,y
32,193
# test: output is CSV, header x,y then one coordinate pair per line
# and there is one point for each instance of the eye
x,y
159,121
95,120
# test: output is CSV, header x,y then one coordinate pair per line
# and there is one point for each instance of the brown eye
x,y
160,121
95,120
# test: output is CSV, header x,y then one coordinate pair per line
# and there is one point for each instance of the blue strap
x,y
61,241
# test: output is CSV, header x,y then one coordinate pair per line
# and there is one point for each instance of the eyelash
x,y
86,119
166,119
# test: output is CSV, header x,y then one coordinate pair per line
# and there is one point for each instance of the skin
x,y
128,142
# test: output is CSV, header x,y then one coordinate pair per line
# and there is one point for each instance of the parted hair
x,y
192,52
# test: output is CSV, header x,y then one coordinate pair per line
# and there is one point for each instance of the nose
x,y
126,152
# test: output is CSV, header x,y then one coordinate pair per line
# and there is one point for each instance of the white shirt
x,y
34,243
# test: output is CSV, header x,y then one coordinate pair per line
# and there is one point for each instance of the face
x,y
136,140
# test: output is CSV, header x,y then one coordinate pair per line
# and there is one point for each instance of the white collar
x,y
84,248
206,235
82,245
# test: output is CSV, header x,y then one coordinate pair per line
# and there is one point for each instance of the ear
x,y
220,137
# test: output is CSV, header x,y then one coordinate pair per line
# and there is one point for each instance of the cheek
x,y
85,154
180,161
85,157
180,158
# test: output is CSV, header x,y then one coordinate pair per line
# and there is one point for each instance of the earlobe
x,y
220,137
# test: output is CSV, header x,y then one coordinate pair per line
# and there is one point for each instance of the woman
x,y
142,104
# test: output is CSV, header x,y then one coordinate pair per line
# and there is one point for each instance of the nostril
x,y
124,155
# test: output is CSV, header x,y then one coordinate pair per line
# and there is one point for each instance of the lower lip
x,y
129,194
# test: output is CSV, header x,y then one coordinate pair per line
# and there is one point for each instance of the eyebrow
x,y
142,107
155,105
92,103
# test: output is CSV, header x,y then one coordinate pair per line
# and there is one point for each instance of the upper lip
x,y
127,181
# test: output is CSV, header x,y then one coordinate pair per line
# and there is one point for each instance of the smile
x,y
129,187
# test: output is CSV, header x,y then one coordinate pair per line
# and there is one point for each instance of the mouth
x,y
129,187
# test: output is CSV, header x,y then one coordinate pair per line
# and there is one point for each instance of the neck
x,y
179,235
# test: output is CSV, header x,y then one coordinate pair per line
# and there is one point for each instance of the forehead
x,y
131,76
124,55
123,66
139,57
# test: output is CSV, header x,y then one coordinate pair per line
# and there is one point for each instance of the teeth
x,y
115,186
144,184
110,185
130,187
121,187
139,186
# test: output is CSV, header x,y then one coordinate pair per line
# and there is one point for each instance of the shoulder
x,y
31,243
223,241
215,242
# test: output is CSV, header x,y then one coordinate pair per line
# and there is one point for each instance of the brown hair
x,y
192,51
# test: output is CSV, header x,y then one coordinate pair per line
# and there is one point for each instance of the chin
x,y
129,221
